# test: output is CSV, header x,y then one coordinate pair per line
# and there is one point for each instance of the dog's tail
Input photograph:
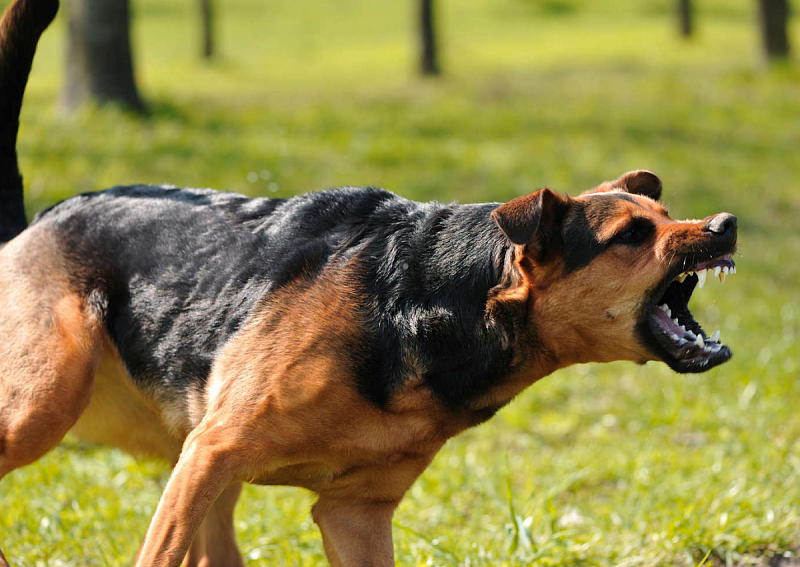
x,y
22,24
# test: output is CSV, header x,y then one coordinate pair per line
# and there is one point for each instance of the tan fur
x,y
119,414
215,542
292,392
356,532
48,352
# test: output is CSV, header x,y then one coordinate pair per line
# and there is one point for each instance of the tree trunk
x,y
99,62
774,27
207,23
685,18
429,62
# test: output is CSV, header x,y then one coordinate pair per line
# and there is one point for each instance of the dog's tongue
x,y
665,322
678,335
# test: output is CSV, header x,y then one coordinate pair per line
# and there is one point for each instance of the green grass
x,y
595,465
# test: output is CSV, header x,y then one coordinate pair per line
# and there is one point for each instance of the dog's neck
x,y
459,310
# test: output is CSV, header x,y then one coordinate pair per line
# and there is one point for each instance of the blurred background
x,y
469,100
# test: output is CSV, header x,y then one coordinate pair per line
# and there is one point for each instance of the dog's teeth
x,y
674,337
664,307
699,340
682,328
722,277
681,277
701,278
715,337
726,270
733,270
717,270
675,320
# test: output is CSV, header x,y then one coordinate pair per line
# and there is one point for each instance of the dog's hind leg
x,y
49,347
215,542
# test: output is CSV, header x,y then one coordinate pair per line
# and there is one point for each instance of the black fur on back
x,y
428,276
175,273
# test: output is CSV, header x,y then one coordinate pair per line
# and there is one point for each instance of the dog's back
x,y
152,262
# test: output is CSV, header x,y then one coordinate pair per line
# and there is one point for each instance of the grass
x,y
596,465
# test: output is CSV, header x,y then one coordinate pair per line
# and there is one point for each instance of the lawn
x,y
595,465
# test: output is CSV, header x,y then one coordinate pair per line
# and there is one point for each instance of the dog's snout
x,y
722,224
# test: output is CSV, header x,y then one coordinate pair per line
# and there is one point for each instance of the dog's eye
x,y
634,233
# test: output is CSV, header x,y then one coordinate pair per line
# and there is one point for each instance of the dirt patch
x,y
789,559
781,561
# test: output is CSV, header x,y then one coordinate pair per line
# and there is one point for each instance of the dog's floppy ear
x,y
529,216
638,182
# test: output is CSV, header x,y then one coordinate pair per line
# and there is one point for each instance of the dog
x,y
332,341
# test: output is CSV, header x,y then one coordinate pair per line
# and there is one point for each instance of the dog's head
x,y
610,274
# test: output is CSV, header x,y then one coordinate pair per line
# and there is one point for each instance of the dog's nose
x,y
721,224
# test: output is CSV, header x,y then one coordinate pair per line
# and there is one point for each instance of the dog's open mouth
x,y
679,339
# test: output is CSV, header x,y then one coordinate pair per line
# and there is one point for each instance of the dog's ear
x,y
534,216
638,182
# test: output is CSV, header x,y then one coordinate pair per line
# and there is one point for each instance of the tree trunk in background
x,y
685,17
774,27
429,62
207,22
99,63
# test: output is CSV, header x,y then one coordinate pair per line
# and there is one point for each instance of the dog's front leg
x,y
204,469
356,532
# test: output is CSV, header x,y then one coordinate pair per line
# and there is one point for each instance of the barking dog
x,y
332,341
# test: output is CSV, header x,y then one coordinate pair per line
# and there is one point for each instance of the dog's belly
x,y
121,416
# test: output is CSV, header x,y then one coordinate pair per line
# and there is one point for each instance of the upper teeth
x,y
719,272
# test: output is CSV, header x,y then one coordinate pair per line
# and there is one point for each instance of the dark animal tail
x,y
22,25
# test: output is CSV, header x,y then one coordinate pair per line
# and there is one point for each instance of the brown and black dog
x,y
332,341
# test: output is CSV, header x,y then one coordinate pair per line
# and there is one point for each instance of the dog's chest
x,y
358,449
